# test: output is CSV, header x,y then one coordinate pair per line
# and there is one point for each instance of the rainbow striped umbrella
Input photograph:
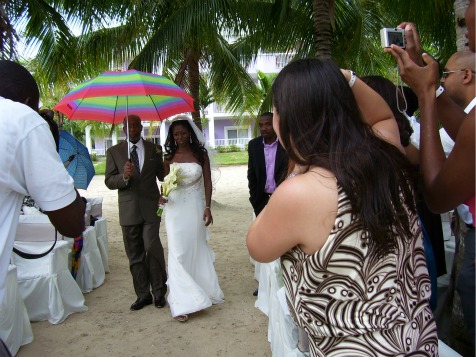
x,y
112,95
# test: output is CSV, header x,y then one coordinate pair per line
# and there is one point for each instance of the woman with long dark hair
x,y
192,280
344,221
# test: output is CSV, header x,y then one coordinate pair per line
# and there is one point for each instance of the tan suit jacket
x,y
138,198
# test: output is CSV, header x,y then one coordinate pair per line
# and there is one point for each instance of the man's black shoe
x,y
160,301
141,302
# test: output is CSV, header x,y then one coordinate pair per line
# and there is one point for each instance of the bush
x,y
94,156
229,148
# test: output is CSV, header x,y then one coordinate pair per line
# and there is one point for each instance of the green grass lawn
x,y
221,159
100,167
231,158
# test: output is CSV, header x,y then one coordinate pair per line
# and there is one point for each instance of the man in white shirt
x,y
30,165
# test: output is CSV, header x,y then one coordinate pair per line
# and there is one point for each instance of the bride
x,y
192,280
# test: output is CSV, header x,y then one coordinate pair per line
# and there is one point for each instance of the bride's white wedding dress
x,y
192,280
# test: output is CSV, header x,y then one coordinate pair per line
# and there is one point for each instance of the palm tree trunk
x,y
188,76
460,8
321,16
8,36
194,72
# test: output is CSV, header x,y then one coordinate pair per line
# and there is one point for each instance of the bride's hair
x,y
198,148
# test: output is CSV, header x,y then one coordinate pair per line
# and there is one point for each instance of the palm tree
x,y
174,36
347,31
188,38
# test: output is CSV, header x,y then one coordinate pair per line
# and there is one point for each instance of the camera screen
x,y
392,36
395,38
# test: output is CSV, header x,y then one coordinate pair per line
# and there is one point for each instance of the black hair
x,y
266,114
412,100
388,91
321,125
18,84
48,116
199,151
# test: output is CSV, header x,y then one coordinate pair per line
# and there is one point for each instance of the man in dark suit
x,y
136,180
267,163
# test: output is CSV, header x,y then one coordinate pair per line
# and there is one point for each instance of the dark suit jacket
x,y
257,171
138,199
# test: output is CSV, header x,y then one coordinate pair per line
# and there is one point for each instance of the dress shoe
x,y
255,293
141,302
159,301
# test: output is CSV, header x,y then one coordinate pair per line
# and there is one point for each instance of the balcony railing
x,y
100,152
227,142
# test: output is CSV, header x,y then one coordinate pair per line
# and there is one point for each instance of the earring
x,y
175,143
190,139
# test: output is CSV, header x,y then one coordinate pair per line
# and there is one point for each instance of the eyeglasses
x,y
447,73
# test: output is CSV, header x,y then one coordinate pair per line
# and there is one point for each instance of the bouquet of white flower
x,y
169,184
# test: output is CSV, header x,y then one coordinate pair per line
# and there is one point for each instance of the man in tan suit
x,y
136,180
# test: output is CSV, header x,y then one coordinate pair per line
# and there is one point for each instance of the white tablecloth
x,y
15,329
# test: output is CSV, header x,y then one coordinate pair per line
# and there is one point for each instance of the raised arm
x,y
447,182
448,112
375,110
116,178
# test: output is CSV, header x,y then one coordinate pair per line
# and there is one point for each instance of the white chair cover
x,y
87,214
96,206
46,284
91,270
35,228
15,329
101,234
264,285
282,332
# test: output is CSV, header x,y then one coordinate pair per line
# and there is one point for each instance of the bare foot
x,y
182,318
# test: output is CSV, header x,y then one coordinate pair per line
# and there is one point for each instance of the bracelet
x,y
440,90
208,208
353,76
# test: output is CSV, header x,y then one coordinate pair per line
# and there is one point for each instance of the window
x,y
282,60
236,135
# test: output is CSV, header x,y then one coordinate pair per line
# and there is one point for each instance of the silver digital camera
x,y
392,36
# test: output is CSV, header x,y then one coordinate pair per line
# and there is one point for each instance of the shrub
x,y
229,148
94,156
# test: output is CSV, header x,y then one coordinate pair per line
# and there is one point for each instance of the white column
x,y
114,137
163,134
89,144
211,125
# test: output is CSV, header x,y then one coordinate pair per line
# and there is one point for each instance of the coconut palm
x,y
188,38
174,36
347,31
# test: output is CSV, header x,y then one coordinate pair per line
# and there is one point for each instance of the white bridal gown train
x,y
192,280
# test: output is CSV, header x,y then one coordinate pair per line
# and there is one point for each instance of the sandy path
x,y
109,328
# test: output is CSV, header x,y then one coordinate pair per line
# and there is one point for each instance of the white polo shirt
x,y
30,166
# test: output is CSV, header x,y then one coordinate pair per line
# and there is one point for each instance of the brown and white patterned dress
x,y
353,304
